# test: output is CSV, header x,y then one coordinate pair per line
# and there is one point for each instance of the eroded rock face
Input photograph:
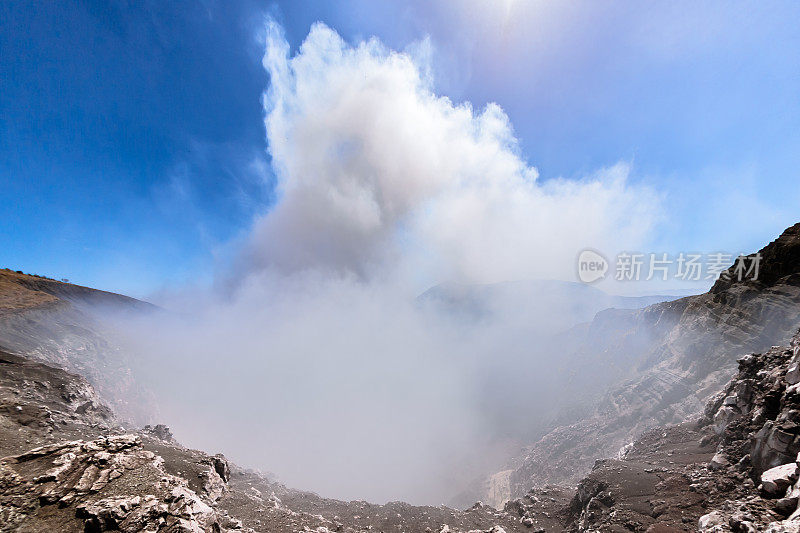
x,y
678,354
181,511
214,485
760,439
40,400
764,423
161,432
110,483
776,443
541,509
740,476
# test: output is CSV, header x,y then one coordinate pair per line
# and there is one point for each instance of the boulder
x,y
776,480
161,432
718,462
221,466
723,417
711,522
786,526
793,374
786,506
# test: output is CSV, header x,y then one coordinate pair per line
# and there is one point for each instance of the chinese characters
x,y
685,266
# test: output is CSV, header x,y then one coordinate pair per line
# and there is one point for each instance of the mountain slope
x,y
64,325
679,353
732,469
37,291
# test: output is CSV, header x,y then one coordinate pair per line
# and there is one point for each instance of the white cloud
x,y
374,170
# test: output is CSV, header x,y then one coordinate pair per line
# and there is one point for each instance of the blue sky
x,y
133,153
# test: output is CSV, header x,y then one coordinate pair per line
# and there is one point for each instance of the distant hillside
x,y
20,291
566,303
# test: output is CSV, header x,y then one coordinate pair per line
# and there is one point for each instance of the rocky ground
x,y
755,425
734,469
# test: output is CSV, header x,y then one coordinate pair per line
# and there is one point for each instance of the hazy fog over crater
x,y
322,365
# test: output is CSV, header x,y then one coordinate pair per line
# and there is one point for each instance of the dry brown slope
x,y
19,291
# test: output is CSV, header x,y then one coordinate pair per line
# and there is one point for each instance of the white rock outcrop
x,y
777,480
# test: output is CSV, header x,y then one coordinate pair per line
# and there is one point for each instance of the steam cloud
x,y
375,169
322,365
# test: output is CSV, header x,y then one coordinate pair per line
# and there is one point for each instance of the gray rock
x,y
712,521
723,417
793,374
776,480
718,462
773,445
79,471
